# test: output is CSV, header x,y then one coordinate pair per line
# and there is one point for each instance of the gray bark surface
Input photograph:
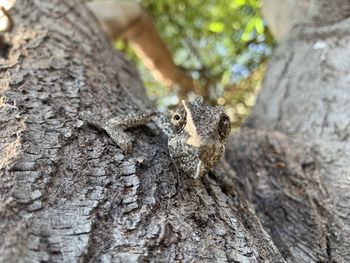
x,y
67,192
283,15
294,160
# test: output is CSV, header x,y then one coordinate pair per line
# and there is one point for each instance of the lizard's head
x,y
199,136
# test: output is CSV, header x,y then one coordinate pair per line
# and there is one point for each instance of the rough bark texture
x,y
68,193
296,172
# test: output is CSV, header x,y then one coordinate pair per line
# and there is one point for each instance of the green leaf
x,y
216,27
248,30
225,78
259,25
240,2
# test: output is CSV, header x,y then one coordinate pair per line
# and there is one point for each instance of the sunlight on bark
x,y
5,5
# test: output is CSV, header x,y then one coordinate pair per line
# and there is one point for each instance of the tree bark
x,y
68,193
293,162
283,15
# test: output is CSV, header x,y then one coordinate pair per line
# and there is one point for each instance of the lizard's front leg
x,y
115,126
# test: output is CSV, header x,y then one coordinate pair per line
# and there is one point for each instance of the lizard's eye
x,y
224,126
176,117
178,120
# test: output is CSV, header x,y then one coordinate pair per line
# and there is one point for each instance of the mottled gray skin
x,y
199,136
196,133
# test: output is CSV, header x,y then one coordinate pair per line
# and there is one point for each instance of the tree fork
x,y
68,194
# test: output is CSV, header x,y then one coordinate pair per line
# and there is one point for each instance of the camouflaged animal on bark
x,y
196,133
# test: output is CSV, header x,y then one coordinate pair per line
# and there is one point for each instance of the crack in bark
x,y
286,87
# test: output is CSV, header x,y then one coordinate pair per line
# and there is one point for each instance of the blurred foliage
x,y
222,44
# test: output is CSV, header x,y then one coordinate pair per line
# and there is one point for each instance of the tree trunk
x,y
283,15
68,193
294,164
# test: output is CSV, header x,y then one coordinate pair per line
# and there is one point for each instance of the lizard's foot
x,y
115,126
120,138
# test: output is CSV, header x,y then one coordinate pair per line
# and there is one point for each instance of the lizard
x,y
196,133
